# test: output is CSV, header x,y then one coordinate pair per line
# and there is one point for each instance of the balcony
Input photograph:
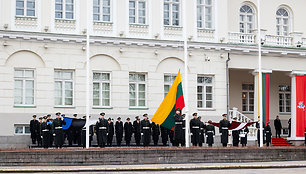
x,y
283,41
241,38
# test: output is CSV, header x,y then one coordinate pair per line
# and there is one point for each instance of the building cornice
x,y
152,43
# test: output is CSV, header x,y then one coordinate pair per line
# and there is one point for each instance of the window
x,y
24,87
101,10
22,129
204,14
282,22
137,90
284,93
63,86
64,9
101,89
25,8
247,97
246,24
172,12
137,12
168,81
205,92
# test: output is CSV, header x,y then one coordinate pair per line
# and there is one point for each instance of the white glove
x,y
41,136
206,136
141,133
106,133
214,136
54,135
191,134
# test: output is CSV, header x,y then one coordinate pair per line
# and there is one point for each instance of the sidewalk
x,y
154,167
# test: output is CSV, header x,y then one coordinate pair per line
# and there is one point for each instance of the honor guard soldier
x,y
145,128
235,134
39,139
202,132
119,131
243,133
178,128
58,133
258,133
101,130
184,129
268,134
45,130
49,122
76,133
210,133
155,133
195,129
34,129
128,131
164,135
111,132
137,131
83,134
223,129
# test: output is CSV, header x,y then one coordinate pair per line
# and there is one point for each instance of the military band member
x,y
195,129
101,130
155,133
111,132
178,128
45,129
268,134
83,134
137,131
223,129
202,132
119,131
164,135
235,134
244,136
34,129
39,134
145,128
128,131
58,133
210,133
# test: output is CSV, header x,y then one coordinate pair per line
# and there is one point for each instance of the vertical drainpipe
x,y
227,86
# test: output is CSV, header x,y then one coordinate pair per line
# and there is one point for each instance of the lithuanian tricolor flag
x,y
173,100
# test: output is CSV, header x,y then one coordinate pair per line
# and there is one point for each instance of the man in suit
x,y
278,126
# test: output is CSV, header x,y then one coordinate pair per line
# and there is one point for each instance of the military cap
x,y
40,118
224,115
75,115
195,114
45,117
34,116
128,118
102,113
209,121
63,115
119,118
49,115
145,115
109,119
58,113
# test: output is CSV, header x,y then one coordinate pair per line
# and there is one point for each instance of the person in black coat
x,y
83,134
202,132
164,135
137,131
49,122
224,125
155,133
278,126
39,134
268,134
195,124
178,128
111,132
235,134
243,133
210,133
119,131
34,129
102,130
184,130
145,128
45,130
289,127
128,131
77,133
57,127
258,133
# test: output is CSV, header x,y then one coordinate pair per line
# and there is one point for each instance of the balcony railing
x,y
241,38
278,40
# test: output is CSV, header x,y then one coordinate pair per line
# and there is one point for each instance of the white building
x,y
136,50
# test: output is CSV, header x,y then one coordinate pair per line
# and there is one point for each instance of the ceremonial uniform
x,y
128,131
58,131
210,132
178,130
45,130
258,133
39,134
195,130
119,132
34,129
155,133
137,132
101,131
202,132
164,135
244,136
111,133
268,134
83,135
145,128
223,129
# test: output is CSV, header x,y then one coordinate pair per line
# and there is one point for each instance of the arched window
x,y
246,17
282,22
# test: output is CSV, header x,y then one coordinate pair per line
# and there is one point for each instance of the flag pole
x,y
87,72
259,76
186,74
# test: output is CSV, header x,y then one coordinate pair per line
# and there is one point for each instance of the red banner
x,y
300,105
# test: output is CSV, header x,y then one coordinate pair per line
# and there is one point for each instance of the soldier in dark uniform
x,y
83,134
57,127
195,129
178,128
49,122
101,130
268,134
70,134
45,130
223,129
119,131
111,132
137,131
258,133
289,127
235,134
243,133
34,128
128,131
171,137
202,132
155,133
39,134
164,135
145,128
76,134
184,129
210,132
